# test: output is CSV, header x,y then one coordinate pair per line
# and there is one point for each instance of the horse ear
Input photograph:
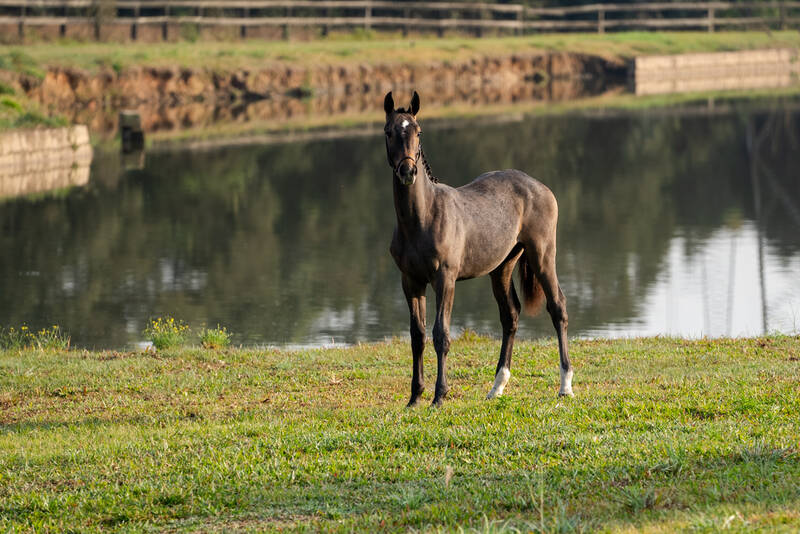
x,y
414,103
388,103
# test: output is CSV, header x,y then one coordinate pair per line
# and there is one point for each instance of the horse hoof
x,y
437,403
566,394
500,381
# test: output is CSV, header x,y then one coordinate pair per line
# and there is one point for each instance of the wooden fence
x,y
404,15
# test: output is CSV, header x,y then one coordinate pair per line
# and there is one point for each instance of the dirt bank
x,y
175,98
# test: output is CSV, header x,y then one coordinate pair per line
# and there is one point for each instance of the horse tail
x,y
532,291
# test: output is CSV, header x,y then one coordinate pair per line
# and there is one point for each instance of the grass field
x,y
663,435
231,55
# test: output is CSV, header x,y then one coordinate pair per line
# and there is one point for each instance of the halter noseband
x,y
415,160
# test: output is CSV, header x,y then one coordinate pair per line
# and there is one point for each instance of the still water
x,y
678,222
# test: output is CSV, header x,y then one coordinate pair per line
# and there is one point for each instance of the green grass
x,y
663,435
20,112
375,48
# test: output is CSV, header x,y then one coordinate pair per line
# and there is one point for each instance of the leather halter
x,y
415,160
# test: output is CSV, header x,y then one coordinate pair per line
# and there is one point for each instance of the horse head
x,y
402,138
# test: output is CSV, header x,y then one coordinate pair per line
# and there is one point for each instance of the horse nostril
x,y
406,169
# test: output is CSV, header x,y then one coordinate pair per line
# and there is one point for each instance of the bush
x,y
24,338
166,332
215,338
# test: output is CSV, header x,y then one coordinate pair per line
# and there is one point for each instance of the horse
x,y
447,234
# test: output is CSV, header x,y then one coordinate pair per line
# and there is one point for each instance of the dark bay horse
x,y
445,234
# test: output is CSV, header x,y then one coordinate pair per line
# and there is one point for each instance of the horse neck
x,y
412,203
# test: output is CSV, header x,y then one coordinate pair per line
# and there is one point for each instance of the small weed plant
x,y
215,338
166,332
52,338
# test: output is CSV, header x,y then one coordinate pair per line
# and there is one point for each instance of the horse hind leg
x,y
557,308
509,306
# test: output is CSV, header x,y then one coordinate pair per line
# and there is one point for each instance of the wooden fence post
x,y
21,26
367,16
406,16
711,19
479,28
103,10
164,25
782,16
601,20
134,29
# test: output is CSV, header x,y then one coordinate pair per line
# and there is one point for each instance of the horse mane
x,y
427,166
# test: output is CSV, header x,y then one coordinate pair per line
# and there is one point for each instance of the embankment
x,y
172,97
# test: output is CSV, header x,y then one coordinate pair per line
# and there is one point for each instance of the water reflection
x,y
671,223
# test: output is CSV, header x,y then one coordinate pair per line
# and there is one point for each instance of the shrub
x,y
166,332
24,338
10,103
215,338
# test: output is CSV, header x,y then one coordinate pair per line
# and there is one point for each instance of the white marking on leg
x,y
405,123
566,383
500,381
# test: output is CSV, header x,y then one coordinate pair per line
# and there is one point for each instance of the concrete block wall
x,y
34,161
748,69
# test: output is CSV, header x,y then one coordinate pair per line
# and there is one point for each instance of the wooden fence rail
x,y
368,14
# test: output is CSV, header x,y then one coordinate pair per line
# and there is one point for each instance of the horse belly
x,y
485,254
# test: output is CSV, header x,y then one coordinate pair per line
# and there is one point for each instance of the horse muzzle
x,y
406,171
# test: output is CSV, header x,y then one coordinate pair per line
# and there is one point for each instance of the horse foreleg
x,y
509,305
415,297
445,288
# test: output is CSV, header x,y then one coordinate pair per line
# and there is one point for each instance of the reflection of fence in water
x,y
35,161
368,14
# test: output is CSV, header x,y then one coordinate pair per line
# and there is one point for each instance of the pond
x,y
680,221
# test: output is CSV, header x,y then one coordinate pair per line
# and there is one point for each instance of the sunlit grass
x,y
379,48
663,435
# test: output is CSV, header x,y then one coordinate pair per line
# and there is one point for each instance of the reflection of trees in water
x,y
766,138
268,240
625,186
